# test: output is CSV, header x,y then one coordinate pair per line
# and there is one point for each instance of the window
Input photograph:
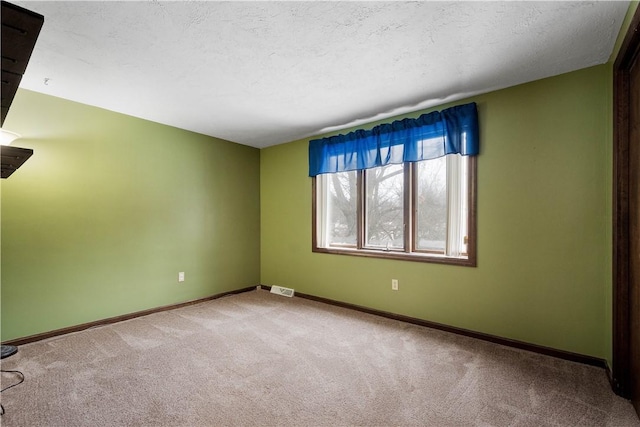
x,y
419,211
403,190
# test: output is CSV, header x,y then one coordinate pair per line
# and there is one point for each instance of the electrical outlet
x,y
394,284
181,276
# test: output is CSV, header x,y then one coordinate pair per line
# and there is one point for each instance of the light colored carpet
x,y
258,359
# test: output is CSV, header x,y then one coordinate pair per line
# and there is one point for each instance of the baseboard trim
x,y
560,354
115,319
612,382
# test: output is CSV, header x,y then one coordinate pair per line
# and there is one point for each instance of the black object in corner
x,y
8,350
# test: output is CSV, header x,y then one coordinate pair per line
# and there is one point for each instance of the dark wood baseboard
x,y
102,322
609,372
560,354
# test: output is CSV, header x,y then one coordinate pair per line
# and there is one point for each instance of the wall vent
x,y
286,292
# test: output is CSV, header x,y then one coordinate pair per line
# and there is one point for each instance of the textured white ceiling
x,y
263,73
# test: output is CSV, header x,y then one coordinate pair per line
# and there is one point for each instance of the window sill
x,y
403,256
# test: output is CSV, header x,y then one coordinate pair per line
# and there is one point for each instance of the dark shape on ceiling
x,y
20,30
13,158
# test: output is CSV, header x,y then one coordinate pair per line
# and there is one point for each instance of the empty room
x,y
320,213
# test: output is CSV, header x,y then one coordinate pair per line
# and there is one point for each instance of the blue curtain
x,y
432,135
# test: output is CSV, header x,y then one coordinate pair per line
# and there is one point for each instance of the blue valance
x,y
432,135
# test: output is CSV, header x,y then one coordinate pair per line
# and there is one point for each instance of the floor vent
x,y
287,292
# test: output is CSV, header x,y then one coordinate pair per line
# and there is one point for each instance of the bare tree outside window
x,y
342,212
385,207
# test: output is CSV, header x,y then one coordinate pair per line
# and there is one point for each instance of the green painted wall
x,y
110,208
100,220
543,225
